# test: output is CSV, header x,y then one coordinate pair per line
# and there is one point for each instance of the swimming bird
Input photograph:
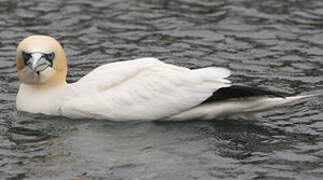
x,y
141,89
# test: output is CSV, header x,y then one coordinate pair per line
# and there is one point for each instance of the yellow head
x,y
40,60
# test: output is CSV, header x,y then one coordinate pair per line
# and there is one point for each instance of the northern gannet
x,y
140,89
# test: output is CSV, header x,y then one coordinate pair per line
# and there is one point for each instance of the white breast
x,y
35,100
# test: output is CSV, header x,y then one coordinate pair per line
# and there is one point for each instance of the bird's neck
x,y
51,85
44,98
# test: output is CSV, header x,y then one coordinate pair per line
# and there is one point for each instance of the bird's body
x,y
141,89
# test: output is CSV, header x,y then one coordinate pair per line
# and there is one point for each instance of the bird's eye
x,y
50,57
26,57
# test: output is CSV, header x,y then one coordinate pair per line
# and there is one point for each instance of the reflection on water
x,y
267,43
47,146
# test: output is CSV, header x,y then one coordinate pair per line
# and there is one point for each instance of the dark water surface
x,y
268,43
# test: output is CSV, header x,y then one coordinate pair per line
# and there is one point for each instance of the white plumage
x,y
141,89
144,89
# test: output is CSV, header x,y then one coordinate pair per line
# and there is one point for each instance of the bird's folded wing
x,y
143,89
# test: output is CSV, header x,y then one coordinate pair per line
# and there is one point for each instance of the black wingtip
x,y
238,91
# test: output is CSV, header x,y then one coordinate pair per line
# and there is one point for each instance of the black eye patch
x,y
50,56
26,57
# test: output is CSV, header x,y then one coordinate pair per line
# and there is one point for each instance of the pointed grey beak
x,y
35,60
38,62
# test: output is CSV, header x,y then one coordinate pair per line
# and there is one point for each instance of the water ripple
x,y
276,44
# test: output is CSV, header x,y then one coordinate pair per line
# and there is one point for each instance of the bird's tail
x,y
268,103
253,107
245,108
